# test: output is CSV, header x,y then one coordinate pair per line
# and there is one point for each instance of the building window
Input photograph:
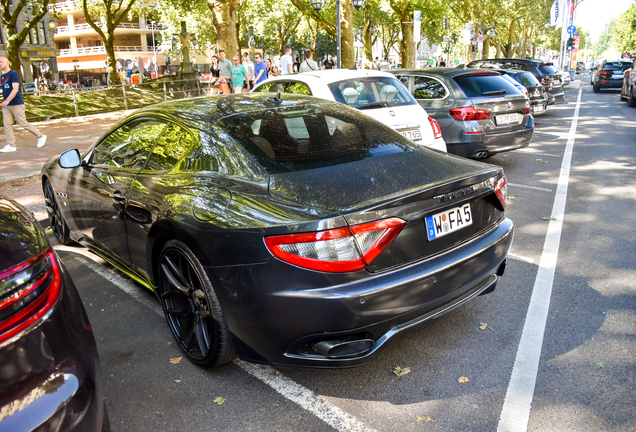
x,y
41,34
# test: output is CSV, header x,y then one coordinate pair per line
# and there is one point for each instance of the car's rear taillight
x,y
469,113
605,73
436,129
528,108
501,189
337,250
28,291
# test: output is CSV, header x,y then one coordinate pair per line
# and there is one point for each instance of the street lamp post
x,y
317,5
154,47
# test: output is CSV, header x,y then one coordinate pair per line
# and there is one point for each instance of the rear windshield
x,y
617,66
548,69
371,92
526,78
307,137
476,85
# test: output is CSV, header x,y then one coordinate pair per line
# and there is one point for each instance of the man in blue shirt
x,y
13,107
260,69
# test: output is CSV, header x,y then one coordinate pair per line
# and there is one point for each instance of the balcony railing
x,y
102,50
86,26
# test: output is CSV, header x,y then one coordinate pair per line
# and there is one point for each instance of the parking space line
x,y
515,412
330,414
529,187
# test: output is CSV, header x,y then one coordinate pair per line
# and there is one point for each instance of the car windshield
x,y
475,85
526,78
307,137
371,92
548,69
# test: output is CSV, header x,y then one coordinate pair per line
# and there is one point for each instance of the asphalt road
x,y
586,362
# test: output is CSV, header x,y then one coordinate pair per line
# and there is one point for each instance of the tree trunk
x,y
224,20
407,47
347,51
113,76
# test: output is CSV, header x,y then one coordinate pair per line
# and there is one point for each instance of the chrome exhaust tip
x,y
338,349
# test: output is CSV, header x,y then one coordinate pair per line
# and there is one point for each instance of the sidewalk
x,y
20,170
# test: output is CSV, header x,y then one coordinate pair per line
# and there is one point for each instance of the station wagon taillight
x,y
469,113
501,188
527,108
436,129
337,250
28,292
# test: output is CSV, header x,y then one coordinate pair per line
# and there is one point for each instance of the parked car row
x,y
628,88
609,74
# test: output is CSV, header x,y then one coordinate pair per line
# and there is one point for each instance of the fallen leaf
x,y
425,418
484,326
219,400
601,365
401,372
549,218
511,197
556,356
542,161
177,381
159,413
175,360
463,379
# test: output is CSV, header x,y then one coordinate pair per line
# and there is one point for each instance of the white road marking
x,y
515,412
529,187
521,258
330,414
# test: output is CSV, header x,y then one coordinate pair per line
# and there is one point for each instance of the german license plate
x,y
446,222
506,119
412,134
538,109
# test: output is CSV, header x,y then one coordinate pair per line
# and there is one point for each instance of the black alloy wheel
x,y
56,220
192,308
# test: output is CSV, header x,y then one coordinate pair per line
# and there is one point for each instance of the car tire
x,y
631,99
56,219
596,89
192,307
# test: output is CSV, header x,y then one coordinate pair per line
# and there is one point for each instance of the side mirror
x,y
70,159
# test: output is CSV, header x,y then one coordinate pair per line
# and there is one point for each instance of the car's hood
x,y
362,184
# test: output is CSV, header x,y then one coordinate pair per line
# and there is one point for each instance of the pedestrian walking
x,y
249,67
308,64
286,62
239,75
13,107
225,65
260,69
329,63
215,72
271,69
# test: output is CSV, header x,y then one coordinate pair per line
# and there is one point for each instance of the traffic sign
x,y
571,30
481,39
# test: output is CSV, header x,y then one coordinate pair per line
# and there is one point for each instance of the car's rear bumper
x,y
556,98
280,321
609,83
480,145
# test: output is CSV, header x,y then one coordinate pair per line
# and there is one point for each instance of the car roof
x,y
328,76
448,72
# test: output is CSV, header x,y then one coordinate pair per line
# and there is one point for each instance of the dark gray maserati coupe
x,y
283,228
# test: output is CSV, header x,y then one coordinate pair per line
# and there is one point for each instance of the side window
x,y
299,88
404,80
428,88
172,146
129,145
274,87
519,66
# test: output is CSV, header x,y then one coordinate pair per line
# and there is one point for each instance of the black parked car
x,y
285,228
535,91
609,74
545,72
479,111
628,90
49,368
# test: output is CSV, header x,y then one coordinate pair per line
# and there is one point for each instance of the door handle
x,y
117,196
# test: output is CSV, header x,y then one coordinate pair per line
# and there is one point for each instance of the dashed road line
x,y
515,412
291,390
